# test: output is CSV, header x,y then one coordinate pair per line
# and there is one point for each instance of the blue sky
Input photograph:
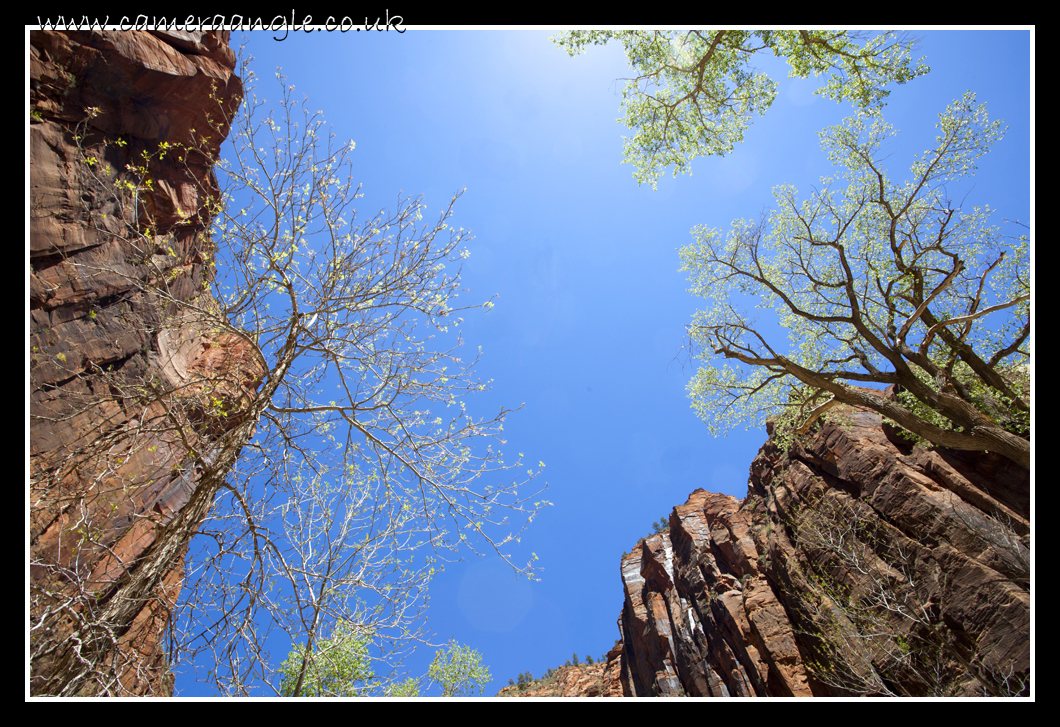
x,y
591,306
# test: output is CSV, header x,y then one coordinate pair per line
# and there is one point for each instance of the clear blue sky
x,y
591,306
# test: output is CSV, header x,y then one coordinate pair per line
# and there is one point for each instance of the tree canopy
x,y
878,282
459,671
696,91
341,666
365,466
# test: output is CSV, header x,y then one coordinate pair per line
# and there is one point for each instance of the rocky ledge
x,y
118,255
856,565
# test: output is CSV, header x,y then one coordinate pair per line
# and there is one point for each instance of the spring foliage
x,y
695,92
459,671
367,466
341,666
877,281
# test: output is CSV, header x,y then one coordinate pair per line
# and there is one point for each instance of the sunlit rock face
x,y
857,564
582,680
109,325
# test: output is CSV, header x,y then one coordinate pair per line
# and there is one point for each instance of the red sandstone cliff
x,y
131,398
857,565
583,680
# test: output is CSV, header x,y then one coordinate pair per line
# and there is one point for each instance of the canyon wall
x,y
133,394
856,565
582,680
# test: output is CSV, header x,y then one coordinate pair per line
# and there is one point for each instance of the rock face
x,y
131,395
584,680
856,565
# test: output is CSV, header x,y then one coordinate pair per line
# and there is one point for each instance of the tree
x,y
408,688
891,278
880,283
364,451
458,670
696,91
332,466
340,667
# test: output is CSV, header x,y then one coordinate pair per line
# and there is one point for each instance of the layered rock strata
x,y
856,565
132,391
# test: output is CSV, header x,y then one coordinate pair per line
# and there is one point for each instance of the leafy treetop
x,y
695,92
877,282
459,671
341,666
